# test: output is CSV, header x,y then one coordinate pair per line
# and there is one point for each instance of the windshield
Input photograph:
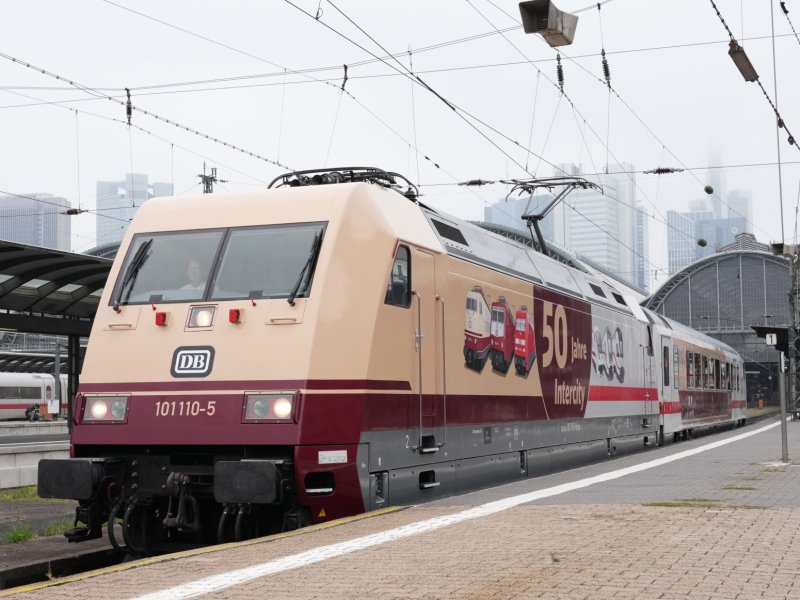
x,y
265,262
189,266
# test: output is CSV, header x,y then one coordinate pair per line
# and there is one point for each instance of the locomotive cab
x,y
221,391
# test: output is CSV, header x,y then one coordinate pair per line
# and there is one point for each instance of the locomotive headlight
x,y
260,408
269,407
118,409
282,407
201,316
105,409
99,409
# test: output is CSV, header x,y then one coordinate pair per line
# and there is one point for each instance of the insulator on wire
x,y
606,68
560,73
129,106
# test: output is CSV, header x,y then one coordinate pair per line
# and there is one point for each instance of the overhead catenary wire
x,y
140,110
142,90
261,59
151,134
462,114
785,12
626,105
781,122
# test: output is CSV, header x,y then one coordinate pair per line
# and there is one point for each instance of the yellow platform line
x,y
196,552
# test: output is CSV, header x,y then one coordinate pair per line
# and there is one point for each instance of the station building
x,y
724,295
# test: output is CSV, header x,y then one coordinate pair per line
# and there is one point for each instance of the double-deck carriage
x,y
319,371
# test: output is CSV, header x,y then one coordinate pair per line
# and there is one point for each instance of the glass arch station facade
x,y
724,295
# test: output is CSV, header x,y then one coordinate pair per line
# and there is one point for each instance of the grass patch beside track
x,y
25,531
20,494
738,486
19,533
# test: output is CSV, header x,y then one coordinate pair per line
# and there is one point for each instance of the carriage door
x,y
428,325
648,380
667,372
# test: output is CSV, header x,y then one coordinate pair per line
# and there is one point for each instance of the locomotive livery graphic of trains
x,y
500,336
228,406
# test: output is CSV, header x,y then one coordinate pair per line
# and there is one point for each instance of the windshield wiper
x,y
307,269
137,263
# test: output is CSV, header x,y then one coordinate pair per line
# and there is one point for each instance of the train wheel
x,y
140,528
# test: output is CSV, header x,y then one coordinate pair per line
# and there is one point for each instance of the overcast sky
x,y
229,70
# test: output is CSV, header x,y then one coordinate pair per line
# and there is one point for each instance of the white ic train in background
x,y
19,391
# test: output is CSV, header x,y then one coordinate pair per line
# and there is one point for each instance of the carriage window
x,y
703,372
698,371
398,291
689,369
20,393
676,368
666,366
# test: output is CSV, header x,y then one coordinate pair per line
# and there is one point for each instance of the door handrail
x,y
418,348
444,371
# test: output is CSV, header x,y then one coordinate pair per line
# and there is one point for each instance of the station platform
x,y
715,517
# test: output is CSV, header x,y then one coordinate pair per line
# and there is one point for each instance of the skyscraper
x,y
740,205
118,201
36,220
704,222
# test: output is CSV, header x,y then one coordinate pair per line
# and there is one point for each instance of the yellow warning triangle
x,y
322,513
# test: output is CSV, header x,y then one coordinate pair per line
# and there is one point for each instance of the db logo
x,y
192,361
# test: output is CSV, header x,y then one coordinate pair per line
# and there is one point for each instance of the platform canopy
x,y
49,291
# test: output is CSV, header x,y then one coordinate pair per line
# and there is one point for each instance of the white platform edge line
x,y
315,555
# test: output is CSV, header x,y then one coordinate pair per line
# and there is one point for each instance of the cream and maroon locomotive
x,y
330,346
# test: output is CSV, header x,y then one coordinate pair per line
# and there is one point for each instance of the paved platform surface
x,y
719,524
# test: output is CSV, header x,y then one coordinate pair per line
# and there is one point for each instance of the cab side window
x,y
398,290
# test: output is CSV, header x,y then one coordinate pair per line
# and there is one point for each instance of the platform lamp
x,y
790,252
555,26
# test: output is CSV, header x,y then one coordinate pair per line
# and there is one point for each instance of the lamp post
x,y
790,252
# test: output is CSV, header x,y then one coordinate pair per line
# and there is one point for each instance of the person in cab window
x,y
196,273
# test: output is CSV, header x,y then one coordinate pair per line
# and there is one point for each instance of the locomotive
x,y
341,347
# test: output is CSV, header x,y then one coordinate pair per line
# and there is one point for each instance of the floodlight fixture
x,y
555,26
737,53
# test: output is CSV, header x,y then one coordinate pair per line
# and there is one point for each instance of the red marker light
x,y
161,319
235,315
